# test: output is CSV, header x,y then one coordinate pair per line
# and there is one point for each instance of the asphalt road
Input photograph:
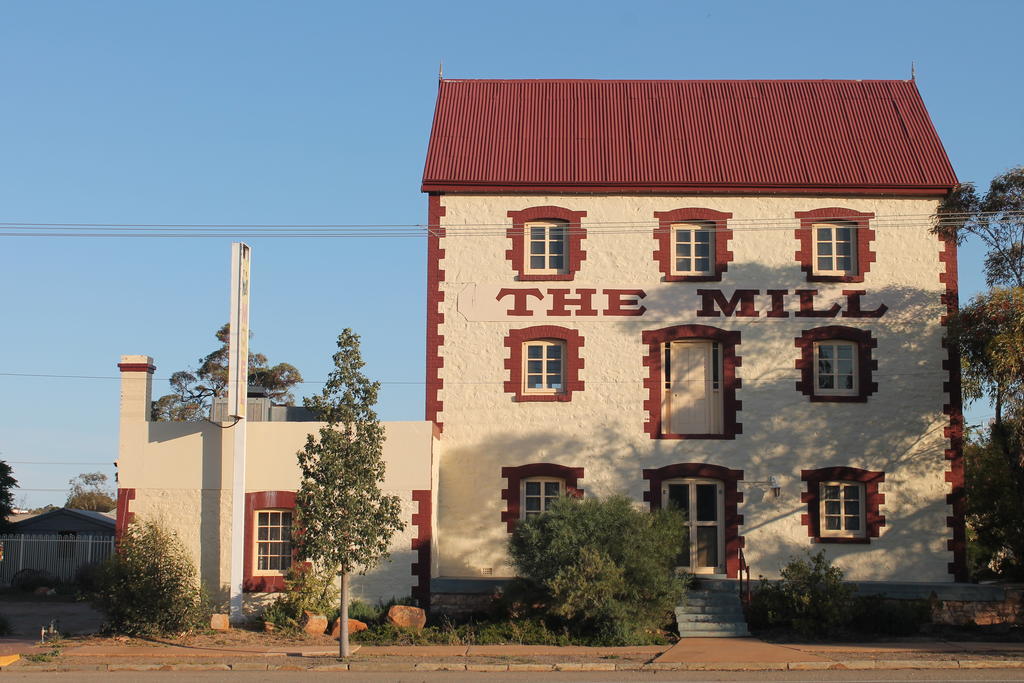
x,y
981,676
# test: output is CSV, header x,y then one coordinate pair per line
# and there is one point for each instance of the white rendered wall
x,y
899,430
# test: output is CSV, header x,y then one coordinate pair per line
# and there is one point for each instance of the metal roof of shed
x,y
729,136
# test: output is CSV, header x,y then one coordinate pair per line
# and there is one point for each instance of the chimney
x,y
136,387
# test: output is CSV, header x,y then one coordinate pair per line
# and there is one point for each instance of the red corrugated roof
x,y
578,135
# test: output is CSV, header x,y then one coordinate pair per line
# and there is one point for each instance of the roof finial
x,y
440,70
913,70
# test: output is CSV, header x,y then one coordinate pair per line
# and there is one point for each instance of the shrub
x,y
599,568
28,580
875,615
306,590
811,599
150,586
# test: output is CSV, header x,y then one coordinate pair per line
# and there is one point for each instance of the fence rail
x,y
59,555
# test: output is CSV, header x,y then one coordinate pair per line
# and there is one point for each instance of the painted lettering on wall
x,y
575,302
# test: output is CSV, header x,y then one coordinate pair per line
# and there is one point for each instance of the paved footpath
x,y
700,654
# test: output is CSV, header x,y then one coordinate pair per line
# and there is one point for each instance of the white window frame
x,y
545,345
286,560
545,500
546,251
854,362
844,516
692,243
834,244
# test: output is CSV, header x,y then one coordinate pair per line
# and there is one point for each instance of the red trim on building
x,y
571,364
421,521
864,237
954,431
866,365
873,519
515,475
435,318
663,235
124,514
654,381
733,497
574,243
137,367
262,500
668,189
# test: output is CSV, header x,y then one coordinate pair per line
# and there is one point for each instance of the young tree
x,y
345,523
89,491
193,391
7,485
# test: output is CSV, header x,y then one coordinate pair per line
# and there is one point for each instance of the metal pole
x,y
343,646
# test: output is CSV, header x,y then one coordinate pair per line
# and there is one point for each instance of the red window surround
x,y
873,520
574,243
654,382
733,497
572,364
865,365
864,236
515,475
262,500
663,234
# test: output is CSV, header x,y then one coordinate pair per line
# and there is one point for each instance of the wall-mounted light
x,y
776,487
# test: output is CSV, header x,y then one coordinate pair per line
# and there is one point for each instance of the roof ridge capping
x,y
594,135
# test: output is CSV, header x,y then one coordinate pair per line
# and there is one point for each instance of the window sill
x,y
841,539
839,399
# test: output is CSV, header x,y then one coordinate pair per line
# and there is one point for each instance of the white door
x,y
703,501
692,391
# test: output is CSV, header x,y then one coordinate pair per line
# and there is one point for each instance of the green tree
x,y
345,523
603,566
89,491
989,333
193,391
7,485
995,512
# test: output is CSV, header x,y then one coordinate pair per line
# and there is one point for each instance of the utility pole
x,y
238,394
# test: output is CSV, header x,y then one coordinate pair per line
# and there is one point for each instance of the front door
x,y
703,501
693,395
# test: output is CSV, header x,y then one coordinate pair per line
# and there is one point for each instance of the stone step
x,y
716,600
708,619
703,630
723,612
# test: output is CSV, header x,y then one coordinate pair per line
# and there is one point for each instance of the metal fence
x,y
59,555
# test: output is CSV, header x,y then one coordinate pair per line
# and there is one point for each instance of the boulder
x,y
43,590
405,616
354,626
268,627
314,624
219,622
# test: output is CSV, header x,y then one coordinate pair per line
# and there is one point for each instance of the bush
x,y
28,580
601,569
307,590
875,615
811,599
87,576
150,586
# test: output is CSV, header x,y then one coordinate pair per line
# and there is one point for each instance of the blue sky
x,y
318,112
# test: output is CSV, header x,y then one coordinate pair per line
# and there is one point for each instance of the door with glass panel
x,y
703,501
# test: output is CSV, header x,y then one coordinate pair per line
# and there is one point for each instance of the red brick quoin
x,y
421,520
874,521
574,244
954,431
663,234
124,514
805,236
572,363
435,318
654,382
261,500
865,365
515,475
732,521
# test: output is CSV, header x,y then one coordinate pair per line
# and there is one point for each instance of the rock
x,y
354,626
314,624
405,616
268,627
219,622
42,590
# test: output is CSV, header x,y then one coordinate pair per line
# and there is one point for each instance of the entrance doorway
x,y
703,501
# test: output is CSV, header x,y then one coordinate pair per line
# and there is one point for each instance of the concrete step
x,y
713,631
724,612
711,601
708,619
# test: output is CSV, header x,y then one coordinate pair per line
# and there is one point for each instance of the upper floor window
x,y
539,494
547,248
692,244
544,371
547,243
694,249
835,249
835,244
835,368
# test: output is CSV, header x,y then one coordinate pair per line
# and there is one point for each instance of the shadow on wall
x,y
782,430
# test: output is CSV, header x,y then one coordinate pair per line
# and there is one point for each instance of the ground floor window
x,y
539,494
843,504
273,541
